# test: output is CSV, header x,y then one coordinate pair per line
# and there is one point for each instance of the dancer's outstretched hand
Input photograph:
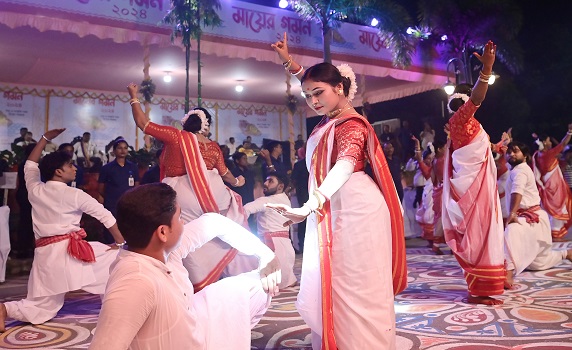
x,y
294,215
132,89
52,134
489,54
271,276
281,48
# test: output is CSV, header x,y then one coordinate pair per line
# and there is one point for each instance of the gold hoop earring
x,y
340,92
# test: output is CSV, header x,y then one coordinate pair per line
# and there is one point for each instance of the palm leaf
x,y
393,20
469,25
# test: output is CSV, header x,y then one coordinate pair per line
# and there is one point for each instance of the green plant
x,y
392,18
187,18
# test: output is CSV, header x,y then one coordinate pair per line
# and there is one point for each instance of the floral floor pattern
x,y
431,314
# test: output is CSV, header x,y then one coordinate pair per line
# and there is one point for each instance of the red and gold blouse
x,y
173,159
350,143
464,127
547,160
212,155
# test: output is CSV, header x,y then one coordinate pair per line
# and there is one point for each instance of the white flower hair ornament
x,y
202,116
431,147
540,144
347,71
463,97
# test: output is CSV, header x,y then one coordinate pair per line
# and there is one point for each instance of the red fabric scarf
x,y
77,246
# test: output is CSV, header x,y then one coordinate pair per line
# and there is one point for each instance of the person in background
x,y
115,179
24,247
299,143
242,168
554,191
421,164
404,136
231,145
272,159
28,139
63,261
566,166
394,163
226,156
386,135
153,174
527,237
87,155
20,138
78,182
299,179
271,225
427,135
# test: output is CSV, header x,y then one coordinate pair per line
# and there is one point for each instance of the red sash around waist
x,y
279,234
529,214
77,246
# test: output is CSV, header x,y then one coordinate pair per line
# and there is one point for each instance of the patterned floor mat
x,y
431,314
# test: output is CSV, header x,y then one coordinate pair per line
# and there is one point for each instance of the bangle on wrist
x,y
236,182
569,132
133,101
288,63
270,166
120,245
297,72
45,138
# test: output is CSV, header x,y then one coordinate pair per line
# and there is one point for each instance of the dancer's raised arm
x,y
281,48
139,116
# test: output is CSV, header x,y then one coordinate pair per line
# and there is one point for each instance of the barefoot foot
x,y
3,316
483,300
569,254
509,281
437,250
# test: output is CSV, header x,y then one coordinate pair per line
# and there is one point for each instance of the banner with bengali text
x,y
106,118
19,110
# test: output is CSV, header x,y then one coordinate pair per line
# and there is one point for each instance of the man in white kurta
x,y
528,239
56,212
270,225
164,313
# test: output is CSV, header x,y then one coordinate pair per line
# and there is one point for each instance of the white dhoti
x,y
54,273
229,309
529,246
286,255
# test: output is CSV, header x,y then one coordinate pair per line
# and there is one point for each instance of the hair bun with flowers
x,y
463,97
201,115
347,71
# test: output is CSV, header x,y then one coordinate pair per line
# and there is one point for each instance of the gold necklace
x,y
337,112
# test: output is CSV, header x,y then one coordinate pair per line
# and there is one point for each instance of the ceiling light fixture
x,y
283,4
167,78
239,88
